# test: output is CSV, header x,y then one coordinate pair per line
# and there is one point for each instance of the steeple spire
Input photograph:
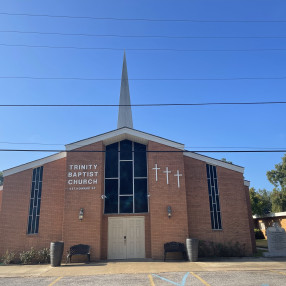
x,y
124,113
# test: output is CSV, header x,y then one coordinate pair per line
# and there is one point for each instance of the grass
x,y
259,252
261,243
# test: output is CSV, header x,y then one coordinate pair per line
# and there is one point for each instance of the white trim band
x,y
270,215
247,183
34,164
215,162
122,134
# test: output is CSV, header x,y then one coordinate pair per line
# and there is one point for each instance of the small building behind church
x,y
125,193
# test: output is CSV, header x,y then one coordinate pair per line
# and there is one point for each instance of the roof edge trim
x,y
215,162
34,164
122,131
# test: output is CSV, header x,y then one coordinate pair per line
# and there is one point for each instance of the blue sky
x,y
208,127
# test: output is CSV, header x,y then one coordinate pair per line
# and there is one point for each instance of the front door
x,y
126,237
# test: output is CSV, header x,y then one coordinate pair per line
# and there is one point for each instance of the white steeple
x,y
124,113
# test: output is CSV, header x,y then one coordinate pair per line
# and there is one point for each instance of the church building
x,y
125,193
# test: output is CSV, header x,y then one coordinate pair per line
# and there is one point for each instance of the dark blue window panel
x,y
213,197
125,150
140,193
219,220
35,201
111,161
140,160
211,203
111,193
37,224
126,204
126,178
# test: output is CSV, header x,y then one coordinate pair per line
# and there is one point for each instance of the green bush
x,y
8,257
44,255
213,249
33,256
258,234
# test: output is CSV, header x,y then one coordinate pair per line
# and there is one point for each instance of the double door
x,y
126,237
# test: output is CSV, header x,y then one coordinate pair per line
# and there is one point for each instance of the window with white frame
x,y
126,178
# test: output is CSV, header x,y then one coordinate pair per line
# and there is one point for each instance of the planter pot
x,y
56,252
192,245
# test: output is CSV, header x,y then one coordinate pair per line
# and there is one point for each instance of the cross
x,y
167,173
156,169
178,175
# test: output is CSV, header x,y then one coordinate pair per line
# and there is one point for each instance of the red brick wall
x,y
16,201
164,229
234,207
87,231
1,192
250,219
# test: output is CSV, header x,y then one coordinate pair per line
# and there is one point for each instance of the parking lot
x,y
213,278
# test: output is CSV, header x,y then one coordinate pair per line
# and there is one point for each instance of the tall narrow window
x,y
126,178
35,201
214,197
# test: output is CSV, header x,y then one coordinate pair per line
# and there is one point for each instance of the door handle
x,y
125,237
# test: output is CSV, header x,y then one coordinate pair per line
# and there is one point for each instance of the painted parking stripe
x,y
151,280
201,279
172,282
55,281
283,273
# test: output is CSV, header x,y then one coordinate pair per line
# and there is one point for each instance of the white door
x,y
126,237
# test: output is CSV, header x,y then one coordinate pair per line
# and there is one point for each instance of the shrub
x,y
213,249
258,234
29,256
8,257
44,255
33,256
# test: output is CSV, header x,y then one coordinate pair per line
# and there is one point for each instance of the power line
x,y
143,49
141,19
79,145
148,151
142,36
143,105
142,79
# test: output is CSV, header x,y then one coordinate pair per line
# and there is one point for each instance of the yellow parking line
x,y
283,273
151,280
54,282
202,280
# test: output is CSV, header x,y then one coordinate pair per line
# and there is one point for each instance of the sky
x,y
168,62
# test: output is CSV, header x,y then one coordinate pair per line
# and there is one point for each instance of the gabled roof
x,y
119,135
122,134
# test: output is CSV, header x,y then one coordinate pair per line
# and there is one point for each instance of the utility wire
x,y
148,151
142,79
143,105
141,19
141,36
143,49
79,145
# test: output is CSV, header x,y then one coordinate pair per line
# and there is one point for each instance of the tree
x,y
260,201
277,177
1,179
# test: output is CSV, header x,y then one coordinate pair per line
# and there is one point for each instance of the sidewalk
x,y
132,267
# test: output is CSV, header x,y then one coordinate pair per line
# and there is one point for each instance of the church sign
x,y
82,177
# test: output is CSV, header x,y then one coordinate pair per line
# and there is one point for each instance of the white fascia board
x,y
1,188
270,215
214,162
247,183
121,134
34,164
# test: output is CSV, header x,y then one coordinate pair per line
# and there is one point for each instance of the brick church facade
x,y
134,191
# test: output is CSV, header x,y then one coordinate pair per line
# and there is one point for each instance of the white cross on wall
x,y
167,172
156,169
178,175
